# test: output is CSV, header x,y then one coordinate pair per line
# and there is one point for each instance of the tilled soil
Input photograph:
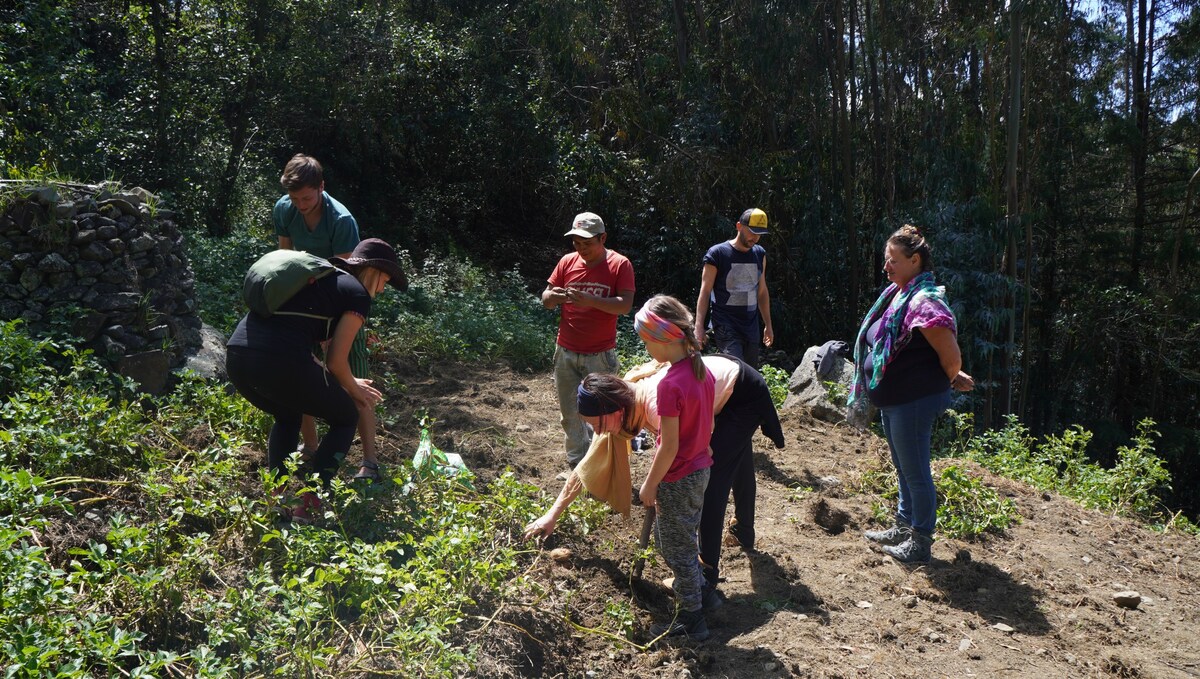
x,y
814,599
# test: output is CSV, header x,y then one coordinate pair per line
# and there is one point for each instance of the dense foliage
x,y
1047,147
126,552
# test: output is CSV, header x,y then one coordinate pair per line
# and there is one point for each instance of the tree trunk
x,y
162,102
1142,72
1007,373
842,104
878,199
681,36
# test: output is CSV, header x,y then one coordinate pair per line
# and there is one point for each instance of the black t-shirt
x,y
283,333
915,372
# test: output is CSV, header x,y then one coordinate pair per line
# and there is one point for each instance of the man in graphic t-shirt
x,y
733,287
591,286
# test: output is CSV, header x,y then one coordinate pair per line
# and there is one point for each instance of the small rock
x,y
1087,559
964,645
864,604
1127,599
769,666
685,674
934,637
1001,627
522,427
561,554
911,602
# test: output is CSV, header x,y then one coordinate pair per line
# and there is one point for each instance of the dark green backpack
x,y
277,276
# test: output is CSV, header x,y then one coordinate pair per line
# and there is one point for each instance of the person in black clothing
x,y
748,407
270,360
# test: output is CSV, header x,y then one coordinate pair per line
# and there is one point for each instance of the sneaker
x,y
690,624
710,599
563,476
914,550
892,536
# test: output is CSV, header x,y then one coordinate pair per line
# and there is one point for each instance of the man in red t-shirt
x,y
591,286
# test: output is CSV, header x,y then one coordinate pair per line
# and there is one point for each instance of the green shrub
x,y
65,413
777,383
454,310
219,265
1059,463
968,509
192,559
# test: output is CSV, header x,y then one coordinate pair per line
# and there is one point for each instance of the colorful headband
x,y
654,328
591,405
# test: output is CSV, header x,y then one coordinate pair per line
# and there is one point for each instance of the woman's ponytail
x,y
675,312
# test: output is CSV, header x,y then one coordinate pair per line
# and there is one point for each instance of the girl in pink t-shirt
x,y
679,473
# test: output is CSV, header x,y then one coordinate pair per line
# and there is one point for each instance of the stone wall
x,y
107,262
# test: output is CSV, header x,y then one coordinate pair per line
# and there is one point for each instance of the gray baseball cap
x,y
586,225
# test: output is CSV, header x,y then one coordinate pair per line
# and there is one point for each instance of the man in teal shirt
x,y
307,218
310,220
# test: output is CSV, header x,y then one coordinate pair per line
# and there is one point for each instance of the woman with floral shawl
x,y
906,360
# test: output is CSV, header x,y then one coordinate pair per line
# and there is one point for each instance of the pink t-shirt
x,y
725,373
681,395
586,330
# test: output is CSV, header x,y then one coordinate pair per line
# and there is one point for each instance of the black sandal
x,y
369,471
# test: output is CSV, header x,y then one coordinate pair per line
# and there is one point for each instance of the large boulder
x,y
208,360
149,369
809,389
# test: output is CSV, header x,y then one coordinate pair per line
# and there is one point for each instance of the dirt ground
x,y
814,599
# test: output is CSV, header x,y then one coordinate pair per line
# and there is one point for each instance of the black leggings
x,y
733,468
288,386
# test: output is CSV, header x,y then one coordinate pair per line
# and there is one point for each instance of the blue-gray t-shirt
x,y
733,301
335,234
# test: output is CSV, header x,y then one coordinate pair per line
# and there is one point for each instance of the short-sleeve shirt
x,y
328,297
681,395
335,234
733,301
726,372
586,330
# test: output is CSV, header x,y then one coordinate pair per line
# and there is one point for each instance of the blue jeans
x,y
569,370
908,428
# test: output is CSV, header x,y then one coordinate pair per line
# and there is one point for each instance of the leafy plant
x,y
777,383
967,508
836,392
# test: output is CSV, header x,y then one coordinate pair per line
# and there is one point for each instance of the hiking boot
x,y
892,536
690,624
710,599
914,550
